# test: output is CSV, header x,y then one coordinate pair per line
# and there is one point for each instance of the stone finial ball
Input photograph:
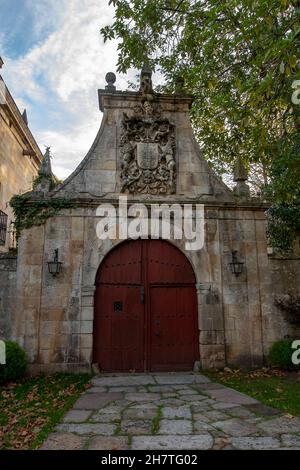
x,y
110,77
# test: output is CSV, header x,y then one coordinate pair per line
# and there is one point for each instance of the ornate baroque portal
x,y
147,145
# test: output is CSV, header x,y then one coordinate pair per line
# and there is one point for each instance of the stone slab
x,y
208,386
63,441
290,440
136,427
263,410
122,381
236,427
200,442
175,426
94,401
77,416
180,379
101,417
173,412
97,390
280,425
142,397
102,429
227,395
139,413
255,443
108,443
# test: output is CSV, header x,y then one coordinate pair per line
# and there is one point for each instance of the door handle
x,y
142,295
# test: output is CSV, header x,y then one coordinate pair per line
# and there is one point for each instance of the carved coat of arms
x,y
148,152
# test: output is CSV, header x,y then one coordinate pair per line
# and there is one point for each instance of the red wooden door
x,y
145,309
173,345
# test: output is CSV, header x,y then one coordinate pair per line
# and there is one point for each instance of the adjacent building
x,y
20,159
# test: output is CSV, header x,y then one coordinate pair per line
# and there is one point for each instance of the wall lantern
x,y
236,266
55,265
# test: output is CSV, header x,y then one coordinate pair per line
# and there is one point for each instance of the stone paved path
x,y
170,412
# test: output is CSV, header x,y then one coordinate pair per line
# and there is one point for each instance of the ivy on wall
x,y
29,212
41,178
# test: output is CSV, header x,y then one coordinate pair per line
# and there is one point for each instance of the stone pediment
x,y
145,148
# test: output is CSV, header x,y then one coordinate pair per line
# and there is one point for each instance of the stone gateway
x,y
147,304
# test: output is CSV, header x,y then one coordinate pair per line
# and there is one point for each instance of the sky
x,y
54,62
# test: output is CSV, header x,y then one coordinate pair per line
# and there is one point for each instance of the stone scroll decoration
x,y
147,145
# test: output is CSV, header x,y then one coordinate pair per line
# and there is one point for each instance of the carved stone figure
x,y
148,152
146,84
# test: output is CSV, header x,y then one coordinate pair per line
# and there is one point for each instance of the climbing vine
x,y
29,212
41,178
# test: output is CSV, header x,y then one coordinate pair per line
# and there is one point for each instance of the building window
x,y
3,227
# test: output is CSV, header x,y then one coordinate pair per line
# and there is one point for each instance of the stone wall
x,y
285,278
8,267
237,319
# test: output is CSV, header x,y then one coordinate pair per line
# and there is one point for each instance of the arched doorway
x,y
145,309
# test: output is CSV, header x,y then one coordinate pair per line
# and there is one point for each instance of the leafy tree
x,y
240,59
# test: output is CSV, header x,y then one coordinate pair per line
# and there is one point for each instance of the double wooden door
x,y
145,309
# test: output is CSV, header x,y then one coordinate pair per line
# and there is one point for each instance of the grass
x,y
272,387
156,420
30,409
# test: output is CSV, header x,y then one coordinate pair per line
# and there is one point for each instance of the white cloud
x,y
57,80
64,73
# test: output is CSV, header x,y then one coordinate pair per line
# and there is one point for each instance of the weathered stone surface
x,y
181,379
169,402
121,381
263,410
77,416
215,415
222,443
169,395
200,426
169,412
219,405
198,407
93,401
280,425
240,412
255,443
207,386
290,440
161,388
108,443
86,428
201,442
102,417
236,427
63,441
142,397
139,413
131,389
189,399
203,423
98,390
227,395
175,426
136,427
188,391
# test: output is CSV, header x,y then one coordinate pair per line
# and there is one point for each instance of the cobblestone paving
x,y
174,411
